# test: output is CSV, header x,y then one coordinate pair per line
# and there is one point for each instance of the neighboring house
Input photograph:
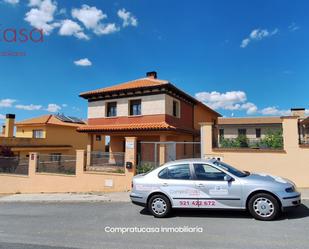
x,y
149,109
254,128
49,134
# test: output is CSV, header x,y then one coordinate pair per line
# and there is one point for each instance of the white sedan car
x,y
198,183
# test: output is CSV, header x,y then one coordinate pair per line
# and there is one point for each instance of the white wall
x,y
151,105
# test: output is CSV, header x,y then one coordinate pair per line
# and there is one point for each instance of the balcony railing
x,y
112,162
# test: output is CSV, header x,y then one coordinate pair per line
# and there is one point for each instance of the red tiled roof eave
x,y
132,127
130,85
126,127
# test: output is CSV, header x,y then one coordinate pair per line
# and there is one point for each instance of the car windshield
x,y
231,169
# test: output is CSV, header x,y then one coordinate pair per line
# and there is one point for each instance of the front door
x,y
177,182
215,191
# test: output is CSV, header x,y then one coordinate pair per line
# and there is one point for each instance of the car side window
x,y
163,174
208,173
177,172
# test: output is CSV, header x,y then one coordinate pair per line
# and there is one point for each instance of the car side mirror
x,y
228,178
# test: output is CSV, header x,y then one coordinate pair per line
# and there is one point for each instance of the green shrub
x,y
272,139
144,168
240,142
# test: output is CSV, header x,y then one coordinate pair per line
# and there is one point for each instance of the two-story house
x,y
150,109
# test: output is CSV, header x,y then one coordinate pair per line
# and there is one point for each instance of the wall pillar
x,y
80,162
33,162
162,149
290,133
89,149
206,138
131,154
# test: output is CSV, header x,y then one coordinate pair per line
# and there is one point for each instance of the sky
x,y
242,58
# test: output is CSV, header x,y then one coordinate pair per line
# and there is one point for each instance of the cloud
x,y
257,35
249,107
91,18
69,28
272,110
237,101
2,116
127,18
227,101
41,15
293,27
11,1
7,102
105,29
30,107
53,108
85,62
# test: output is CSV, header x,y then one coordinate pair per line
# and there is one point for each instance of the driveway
x,y
94,225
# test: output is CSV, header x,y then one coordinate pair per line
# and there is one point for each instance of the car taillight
x,y
132,184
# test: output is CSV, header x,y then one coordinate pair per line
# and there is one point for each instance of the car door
x,y
178,183
216,190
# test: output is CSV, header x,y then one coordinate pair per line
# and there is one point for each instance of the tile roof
x,y
138,83
250,120
128,127
44,120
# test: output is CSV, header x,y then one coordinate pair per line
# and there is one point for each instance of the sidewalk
x,y
67,197
84,197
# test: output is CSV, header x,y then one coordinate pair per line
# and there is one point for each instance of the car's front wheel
x,y
264,206
159,206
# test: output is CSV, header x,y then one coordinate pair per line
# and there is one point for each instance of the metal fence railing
x,y
14,165
56,163
253,143
150,154
112,162
304,140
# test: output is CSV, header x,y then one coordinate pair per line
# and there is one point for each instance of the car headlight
x,y
290,189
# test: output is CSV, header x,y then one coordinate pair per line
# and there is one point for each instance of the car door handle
x,y
200,185
165,184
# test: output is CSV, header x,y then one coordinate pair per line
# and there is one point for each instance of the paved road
x,y
51,226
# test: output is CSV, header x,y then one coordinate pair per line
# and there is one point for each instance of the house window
x,y
55,157
258,133
221,133
111,110
98,138
37,134
242,132
175,108
135,107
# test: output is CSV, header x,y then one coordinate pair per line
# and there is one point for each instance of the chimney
x,y
152,75
9,125
298,112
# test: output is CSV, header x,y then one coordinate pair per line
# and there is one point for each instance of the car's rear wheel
x,y
264,206
159,206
